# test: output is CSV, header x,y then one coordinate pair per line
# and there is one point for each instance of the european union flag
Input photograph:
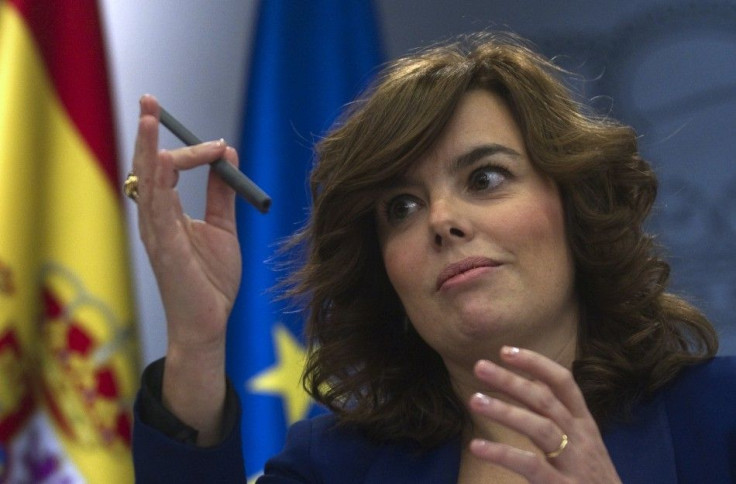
x,y
310,58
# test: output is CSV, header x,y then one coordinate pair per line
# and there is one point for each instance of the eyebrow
x,y
462,161
481,152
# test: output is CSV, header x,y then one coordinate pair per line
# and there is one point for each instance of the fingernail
x,y
510,351
484,367
478,444
482,399
217,143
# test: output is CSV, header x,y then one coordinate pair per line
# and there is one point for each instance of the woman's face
x,y
473,240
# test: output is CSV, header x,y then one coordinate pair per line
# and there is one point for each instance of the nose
x,y
448,223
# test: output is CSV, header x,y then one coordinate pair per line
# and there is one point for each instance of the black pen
x,y
243,185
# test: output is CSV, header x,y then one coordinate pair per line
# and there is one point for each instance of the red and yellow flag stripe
x,y
68,355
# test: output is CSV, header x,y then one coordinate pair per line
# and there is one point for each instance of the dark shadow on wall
x,y
671,73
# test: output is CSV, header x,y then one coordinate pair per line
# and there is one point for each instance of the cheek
x,y
396,262
403,262
536,225
544,239
547,227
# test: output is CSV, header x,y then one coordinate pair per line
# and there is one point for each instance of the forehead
x,y
481,116
481,119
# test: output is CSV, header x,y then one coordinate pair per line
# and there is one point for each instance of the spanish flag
x,y
68,352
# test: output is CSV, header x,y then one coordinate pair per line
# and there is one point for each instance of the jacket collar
x,y
641,450
404,464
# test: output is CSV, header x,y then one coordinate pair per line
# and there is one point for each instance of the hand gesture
x,y
197,267
196,262
552,413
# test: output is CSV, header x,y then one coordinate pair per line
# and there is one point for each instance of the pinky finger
x,y
528,464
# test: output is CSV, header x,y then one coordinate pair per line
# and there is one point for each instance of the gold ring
x,y
130,187
558,450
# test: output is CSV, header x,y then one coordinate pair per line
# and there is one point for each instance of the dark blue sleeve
x,y
163,447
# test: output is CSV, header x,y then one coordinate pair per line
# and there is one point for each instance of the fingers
x,y
162,210
220,210
534,395
145,161
197,155
158,173
146,145
546,406
556,377
542,431
220,206
146,148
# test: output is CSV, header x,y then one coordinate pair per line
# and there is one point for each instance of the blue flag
x,y
309,59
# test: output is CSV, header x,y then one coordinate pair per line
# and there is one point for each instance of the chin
x,y
483,326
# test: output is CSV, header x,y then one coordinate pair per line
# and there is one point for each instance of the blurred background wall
x,y
666,67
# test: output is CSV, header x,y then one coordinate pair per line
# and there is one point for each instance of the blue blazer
x,y
686,434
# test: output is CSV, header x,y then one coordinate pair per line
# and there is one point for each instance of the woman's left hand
x,y
552,413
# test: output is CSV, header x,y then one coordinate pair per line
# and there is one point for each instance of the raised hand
x,y
197,267
551,412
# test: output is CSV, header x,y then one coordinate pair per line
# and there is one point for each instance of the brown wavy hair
x,y
371,368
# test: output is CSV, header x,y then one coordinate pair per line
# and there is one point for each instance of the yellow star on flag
x,y
283,378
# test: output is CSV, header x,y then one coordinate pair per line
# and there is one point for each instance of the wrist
x,y
194,388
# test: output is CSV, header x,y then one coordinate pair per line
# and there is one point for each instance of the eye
x,y
400,207
487,178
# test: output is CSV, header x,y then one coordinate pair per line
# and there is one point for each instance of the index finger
x,y
146,145
558,378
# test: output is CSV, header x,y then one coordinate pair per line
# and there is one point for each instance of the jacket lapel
x,y
404,464
641,449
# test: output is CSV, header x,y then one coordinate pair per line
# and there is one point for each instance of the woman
x,y
482,301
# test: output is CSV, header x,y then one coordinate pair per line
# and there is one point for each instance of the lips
x,y
464,265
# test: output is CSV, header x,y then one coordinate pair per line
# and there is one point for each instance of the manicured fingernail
x,y
510,351
219,143
481,399
478,444
484,367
